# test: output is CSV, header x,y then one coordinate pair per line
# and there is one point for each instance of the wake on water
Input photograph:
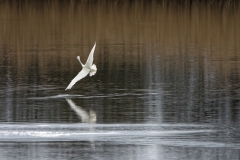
x,y
136,134
66,132
95,96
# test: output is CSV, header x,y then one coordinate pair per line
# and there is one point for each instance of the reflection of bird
x,y
86,117
89,67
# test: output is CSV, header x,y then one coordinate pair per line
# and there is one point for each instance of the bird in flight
x,y
88,67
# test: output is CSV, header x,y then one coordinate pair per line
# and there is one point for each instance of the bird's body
x,y
88,67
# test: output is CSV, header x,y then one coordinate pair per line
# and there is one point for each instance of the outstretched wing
x,y
90,57
83,73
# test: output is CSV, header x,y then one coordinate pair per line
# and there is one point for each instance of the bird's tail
x,y
94,67
93,70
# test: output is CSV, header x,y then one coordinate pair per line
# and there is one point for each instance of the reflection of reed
x,y
86,117
195,47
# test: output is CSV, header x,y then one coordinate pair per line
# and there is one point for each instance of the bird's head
x,y
78,58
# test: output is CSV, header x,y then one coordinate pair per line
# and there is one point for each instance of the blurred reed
x,y
51,28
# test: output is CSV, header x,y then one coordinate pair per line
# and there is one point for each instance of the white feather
x,y
90,57
93,70
89,67
80,76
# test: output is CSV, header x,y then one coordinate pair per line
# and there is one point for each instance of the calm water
x,y
167,84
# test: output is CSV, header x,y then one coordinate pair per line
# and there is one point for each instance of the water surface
x,y
167,84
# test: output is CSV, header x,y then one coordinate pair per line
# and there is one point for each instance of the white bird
x,y
89,67
86,117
